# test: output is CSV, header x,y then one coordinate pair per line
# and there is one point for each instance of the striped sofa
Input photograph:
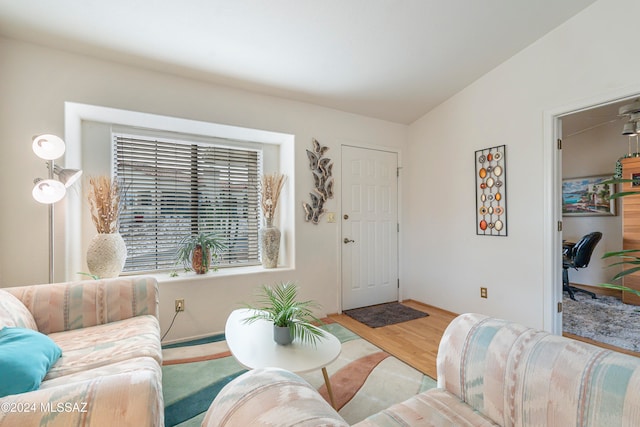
x,y
109,373
490,372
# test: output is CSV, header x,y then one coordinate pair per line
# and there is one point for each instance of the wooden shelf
x,y
631,225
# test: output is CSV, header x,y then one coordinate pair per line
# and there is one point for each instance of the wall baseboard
x,y
599,290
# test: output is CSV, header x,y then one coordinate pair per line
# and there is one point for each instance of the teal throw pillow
x,y
25,358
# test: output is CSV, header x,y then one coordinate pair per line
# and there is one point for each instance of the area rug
x,y
364,378
376,316
605,319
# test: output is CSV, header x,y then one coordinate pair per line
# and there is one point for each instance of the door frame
x,y
338,175
552,203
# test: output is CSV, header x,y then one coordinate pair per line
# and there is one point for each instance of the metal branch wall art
x,y
491,191
321,168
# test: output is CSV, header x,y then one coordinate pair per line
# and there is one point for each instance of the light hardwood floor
x,y
416,342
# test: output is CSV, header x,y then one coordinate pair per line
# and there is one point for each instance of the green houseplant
x,y
279,305
197,250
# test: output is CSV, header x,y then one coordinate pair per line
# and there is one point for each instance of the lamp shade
x,y
48,190
48,147
67,176
629,128
631,108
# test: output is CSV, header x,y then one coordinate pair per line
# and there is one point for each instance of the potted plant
x,y
291,319
196,251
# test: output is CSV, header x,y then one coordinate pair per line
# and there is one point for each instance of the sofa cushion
x,y
96,346
123,367
25,357
435,407
13,312
268,397
131,399
73,305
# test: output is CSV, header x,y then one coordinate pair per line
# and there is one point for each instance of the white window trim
x,y
76,113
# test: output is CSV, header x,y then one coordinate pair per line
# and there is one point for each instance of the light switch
x,y
331,217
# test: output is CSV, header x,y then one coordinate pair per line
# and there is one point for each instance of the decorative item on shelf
x,y
197,252
618,171
107,252
321,168
49,191
270,234
291,319
491,191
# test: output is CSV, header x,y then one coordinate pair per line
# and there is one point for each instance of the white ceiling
x,y
389,59
597,116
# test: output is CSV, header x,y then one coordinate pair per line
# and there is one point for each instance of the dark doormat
x,y
379,315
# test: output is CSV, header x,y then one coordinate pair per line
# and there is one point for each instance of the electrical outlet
x,y
483,292
179,305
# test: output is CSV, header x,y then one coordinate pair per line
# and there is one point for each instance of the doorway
x,y
369,227
592,144
591,140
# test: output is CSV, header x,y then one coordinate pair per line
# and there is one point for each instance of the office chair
x,y
578,256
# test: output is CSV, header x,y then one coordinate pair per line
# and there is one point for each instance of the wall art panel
x,y
321,169
491,191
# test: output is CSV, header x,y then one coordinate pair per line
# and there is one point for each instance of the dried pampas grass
x,y
104,204
271,186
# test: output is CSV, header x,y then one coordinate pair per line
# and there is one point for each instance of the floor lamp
x,y
49,191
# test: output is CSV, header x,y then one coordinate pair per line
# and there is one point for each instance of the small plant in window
x,y
197,252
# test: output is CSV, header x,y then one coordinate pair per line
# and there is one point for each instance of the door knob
x,y
347,240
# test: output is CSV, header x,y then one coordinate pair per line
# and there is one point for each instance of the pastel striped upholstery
x,y
517,376
96,346
435,407
121,399
14,314
64,306
490,372
110,369
270,397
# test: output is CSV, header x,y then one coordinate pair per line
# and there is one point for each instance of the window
x,y
177,187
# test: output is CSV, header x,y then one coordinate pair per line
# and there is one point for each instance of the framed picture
x,y
588,197
491,191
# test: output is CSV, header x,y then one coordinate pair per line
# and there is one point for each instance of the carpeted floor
x,y
364,379
605,319
376,316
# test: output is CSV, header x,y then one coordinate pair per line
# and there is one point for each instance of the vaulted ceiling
x,y
390,59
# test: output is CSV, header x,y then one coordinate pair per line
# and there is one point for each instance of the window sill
x,y
223,272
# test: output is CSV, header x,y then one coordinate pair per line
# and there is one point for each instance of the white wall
x,y
443,262
446,262
590,153
36,82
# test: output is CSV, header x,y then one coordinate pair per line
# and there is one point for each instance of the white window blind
x,y
177,188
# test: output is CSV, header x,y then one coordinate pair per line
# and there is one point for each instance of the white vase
x,y
106,255
269,245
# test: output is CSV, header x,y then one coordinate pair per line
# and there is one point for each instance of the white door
x,y
369,227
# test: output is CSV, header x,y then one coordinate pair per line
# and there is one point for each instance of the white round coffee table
x,y
253,347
